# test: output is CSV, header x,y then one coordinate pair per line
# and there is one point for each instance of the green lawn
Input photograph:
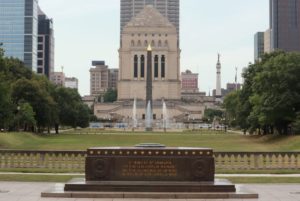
x,y
65,178
219,142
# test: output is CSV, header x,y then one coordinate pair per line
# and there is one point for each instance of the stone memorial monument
x,y
150,171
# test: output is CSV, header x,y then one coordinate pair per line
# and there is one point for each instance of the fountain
x,y
134,116
165,116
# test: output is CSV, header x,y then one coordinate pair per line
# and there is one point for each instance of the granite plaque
x,y
149,164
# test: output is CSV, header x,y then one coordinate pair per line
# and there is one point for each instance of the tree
x,y
277,92
83,115
211,114
71,109
2,66
34,93
296,124
110,96
269,100
6,105
28,100
231,103
26,117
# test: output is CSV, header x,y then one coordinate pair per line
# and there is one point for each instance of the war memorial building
x,y
150,27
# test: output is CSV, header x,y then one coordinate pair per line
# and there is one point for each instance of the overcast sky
x,y
87,30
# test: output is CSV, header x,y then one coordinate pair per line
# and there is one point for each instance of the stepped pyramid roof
x,y
149,17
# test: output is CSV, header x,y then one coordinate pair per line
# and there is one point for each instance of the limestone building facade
x,y
149,27
168,8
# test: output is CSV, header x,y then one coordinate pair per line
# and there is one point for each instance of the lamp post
x,y
18,118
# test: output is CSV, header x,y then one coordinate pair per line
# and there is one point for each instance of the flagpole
x,y
236,69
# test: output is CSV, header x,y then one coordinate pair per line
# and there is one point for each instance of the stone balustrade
x,y
74,161
257,160
69,161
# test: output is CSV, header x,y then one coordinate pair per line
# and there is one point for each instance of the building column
x,y
159,67
139,64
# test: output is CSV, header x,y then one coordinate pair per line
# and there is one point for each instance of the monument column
x,y
149,103
218,84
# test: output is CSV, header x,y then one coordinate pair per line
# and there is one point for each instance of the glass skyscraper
x,y
258,45
168,8
285,25
19,30
45,45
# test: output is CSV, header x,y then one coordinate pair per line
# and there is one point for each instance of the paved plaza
x,y
28,191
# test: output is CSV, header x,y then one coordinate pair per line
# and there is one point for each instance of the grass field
x,y
65,178
219,142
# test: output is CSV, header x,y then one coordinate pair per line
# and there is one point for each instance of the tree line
x,y
30,102
269,101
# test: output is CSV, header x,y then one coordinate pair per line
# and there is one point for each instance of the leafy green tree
x,y
66,100
71,109
26,117
277,92
15,69
40,103
83,115
34,93
211,114
2,66
6,105
231,103
296,124
269,100
110,96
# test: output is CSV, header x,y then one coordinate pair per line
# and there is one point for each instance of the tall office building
x,y
284,25
19,30
189,82
168,8
113,75
267,41
45,63
259,45
98,78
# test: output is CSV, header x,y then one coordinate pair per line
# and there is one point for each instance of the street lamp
x,y
18,118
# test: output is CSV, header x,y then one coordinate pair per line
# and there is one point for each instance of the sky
x,y
87,30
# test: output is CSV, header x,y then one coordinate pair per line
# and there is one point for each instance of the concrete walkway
x,y
28,191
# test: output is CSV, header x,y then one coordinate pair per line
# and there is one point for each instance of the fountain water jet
x,y
165,116
149,120
134,116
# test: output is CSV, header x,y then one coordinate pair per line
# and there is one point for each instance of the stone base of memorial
x,y
150,172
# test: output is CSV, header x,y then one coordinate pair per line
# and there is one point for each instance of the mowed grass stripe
x,y
219,142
